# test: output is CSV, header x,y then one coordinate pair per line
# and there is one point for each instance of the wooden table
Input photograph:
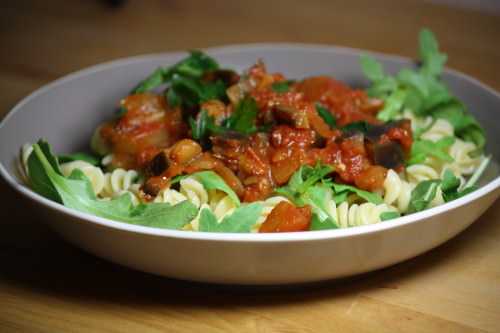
x,y
47,285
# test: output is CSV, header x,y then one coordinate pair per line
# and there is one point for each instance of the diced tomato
x,y
286,217
371,179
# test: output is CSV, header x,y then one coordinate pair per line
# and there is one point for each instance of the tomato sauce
x,y
155,137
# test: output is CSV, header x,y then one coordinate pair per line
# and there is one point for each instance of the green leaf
x,y
243,118
422,195
433,61
89,158
421,149
39,180
357,126
383,87
318,224
453,195
326,115
371,68
465,126
282,86
389,216
173,99
152,81
368,196
193,66
190,92
241,220
76,192
212,181
449,182
204,126
414,79
197,64
318,197
393,105
208,221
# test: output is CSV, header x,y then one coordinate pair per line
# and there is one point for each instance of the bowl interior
x,y
66,111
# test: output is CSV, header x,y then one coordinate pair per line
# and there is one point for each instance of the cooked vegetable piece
x,y
286,217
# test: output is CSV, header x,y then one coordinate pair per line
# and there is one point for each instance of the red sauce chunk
x,y
286,217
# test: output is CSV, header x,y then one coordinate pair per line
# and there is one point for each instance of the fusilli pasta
x,y
440,129
420,172
93,173
118,182
397,191
356,215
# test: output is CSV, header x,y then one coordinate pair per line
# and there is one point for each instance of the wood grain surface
x,y
47,285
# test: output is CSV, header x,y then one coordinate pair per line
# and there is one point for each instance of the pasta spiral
x,y
93,173
440,129
417,122
356,215
397,191
190,189
463,163
170,196
118,182
420,172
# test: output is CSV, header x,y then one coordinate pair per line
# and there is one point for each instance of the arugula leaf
x,y
208,221
242,121
422,195
371,68
39,180
305,177
449,182
465,126
433,61
382,88
389,216
357,126
368,196
282,86
76,192
189,92
243,118
193,66
197,64
422,91
79,157
450,187
212,181
393,105
326,115
241,220
450,196
318,197
318,224
152,81
421,149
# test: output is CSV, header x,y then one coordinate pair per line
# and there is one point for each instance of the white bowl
x,y
66,111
